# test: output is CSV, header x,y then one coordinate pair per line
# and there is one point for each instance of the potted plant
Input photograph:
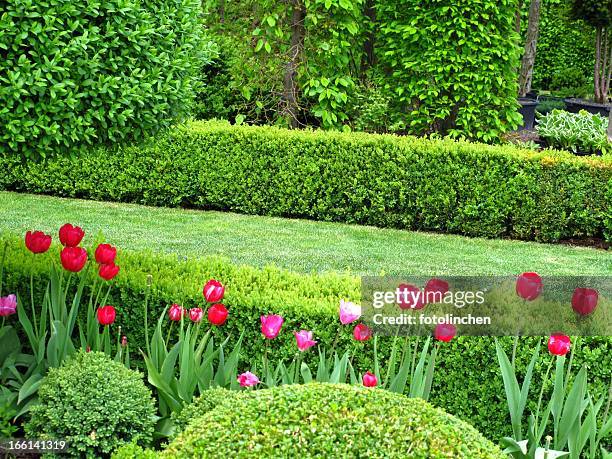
x,y
597,14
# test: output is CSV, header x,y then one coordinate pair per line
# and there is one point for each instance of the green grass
x,y
298,245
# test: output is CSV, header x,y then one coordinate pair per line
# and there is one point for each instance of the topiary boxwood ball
x,y
329,420
95,404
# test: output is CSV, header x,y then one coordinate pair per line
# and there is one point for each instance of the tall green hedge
x,y
467,382
75,73
451,66
381,180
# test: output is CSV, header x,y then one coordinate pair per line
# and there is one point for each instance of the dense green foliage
x,y
409,183
78,73
452,66
564,59
320,417
329,54
95,404
306,302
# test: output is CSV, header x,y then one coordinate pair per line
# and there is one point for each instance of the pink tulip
x,y
248,379
362,332
271,325
304,340
445,332
195,314
369,379
8,305
176,312
349,312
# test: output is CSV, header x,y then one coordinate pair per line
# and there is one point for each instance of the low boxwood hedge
x,y
381,180
315,420
467,381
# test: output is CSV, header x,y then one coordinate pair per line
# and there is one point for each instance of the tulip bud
x,y
584,300
369,380
105,254
271,325
248,379
529,286
176,312
8,305
71,236
304,340
195,314
213,291
445,332
559,344
349,312
106,315
73,258
362,332
124,341
217,314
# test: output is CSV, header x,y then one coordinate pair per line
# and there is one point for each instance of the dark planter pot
x,y
575,105
528,108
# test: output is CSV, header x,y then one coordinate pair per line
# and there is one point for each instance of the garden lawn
x,y
297,245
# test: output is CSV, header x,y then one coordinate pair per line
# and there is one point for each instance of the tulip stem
x,y
168,335
2,264
569,363
515,345
146,320
537,415
32,301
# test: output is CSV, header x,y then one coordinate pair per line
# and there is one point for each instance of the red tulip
x,y
196,314
37,241
529,286
584,300
71,236
559,344
217,314
369,380
271,325
435,289
304,340
107,272
213,291
410,297
124,341
176,312
105,254
106,315
445,332
73,258
362,332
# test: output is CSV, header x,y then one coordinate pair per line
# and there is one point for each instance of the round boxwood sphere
x,y
325,420
95,404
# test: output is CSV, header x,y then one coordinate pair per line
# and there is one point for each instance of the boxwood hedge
x,y
315,420
381,180
467,382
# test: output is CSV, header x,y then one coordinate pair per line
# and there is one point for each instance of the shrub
x,y
209,400
399,182
85,72
316,419
306,301
95,404
581,132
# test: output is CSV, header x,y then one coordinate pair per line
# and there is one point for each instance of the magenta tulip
x,y
213,291
445,332
176,312
369,379
529,286
362,332
248,379
349,312
304,340
559,344
8,305
271,325
196,314
584,300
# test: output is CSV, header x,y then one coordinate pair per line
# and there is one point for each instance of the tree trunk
x,y
610,127
598,56
290,87
531,43
369,58
517,17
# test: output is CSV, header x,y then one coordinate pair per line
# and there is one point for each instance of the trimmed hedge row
x,y
467,382
381,180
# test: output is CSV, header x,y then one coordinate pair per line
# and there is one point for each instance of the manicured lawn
x,y
299,245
